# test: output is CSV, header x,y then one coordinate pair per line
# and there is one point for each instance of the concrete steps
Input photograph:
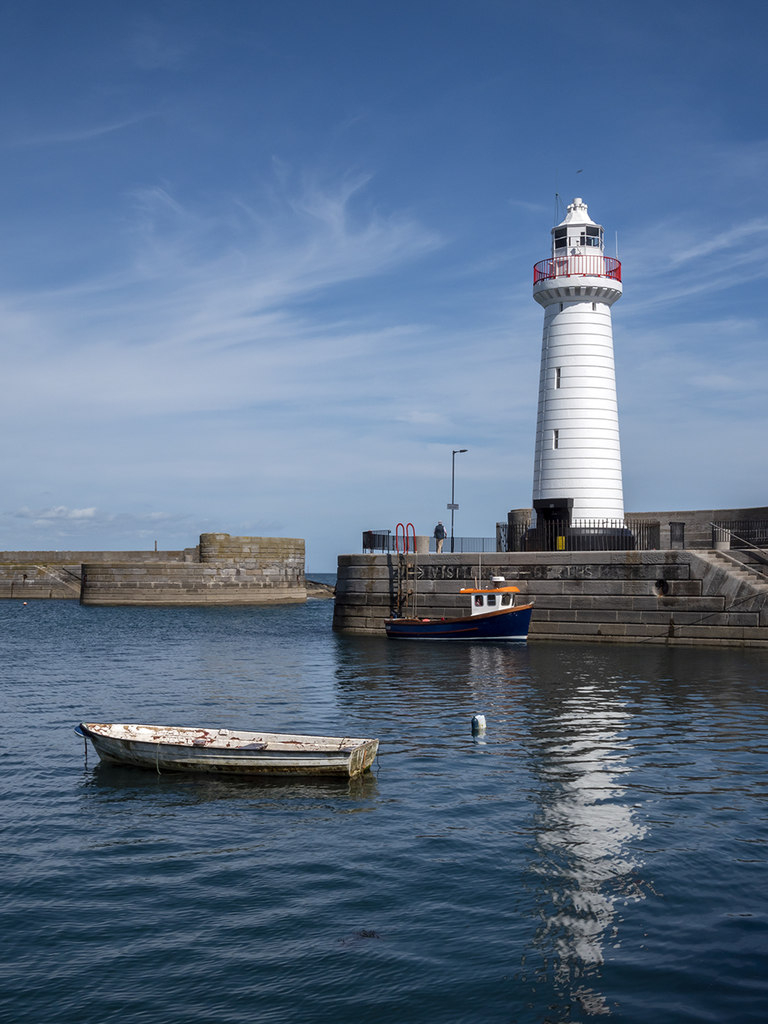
x,y
741,567
733,578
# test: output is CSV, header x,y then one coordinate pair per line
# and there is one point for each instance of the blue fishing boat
x,y
494,615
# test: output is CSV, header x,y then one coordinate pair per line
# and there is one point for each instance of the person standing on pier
x,y
440,536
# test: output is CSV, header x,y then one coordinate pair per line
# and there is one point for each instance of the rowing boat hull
x,y
508,625
223,751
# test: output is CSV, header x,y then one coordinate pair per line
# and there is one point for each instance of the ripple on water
x,y
599,852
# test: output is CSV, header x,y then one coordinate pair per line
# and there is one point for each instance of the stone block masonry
x,y
231,570
665,597
223,570
30,575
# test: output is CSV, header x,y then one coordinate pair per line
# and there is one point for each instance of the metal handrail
x,y
732,533
386,542
748,543
408,534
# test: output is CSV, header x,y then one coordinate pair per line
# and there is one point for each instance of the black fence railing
x,y
741,534
377,540
586,535
462,545
556,535
384,541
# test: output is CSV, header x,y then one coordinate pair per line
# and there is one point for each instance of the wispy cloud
x,y
73,135
229,313
672,262
270,331
90,523
59,512
739,239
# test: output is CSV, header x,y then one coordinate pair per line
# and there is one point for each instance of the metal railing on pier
x,y
464,545
585,535
384,541
743,533
377,540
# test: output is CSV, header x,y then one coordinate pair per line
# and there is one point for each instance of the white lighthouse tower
x,y
577,472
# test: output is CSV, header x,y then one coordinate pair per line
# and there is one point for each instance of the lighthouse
x,y
577,468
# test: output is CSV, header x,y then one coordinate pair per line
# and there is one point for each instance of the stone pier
x,y
221,570
665,597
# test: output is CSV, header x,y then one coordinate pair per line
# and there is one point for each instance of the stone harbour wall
x,y
34,580
279,552
209,583
30,575
668,597
222,570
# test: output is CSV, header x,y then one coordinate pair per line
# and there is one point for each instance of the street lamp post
x,y
453,506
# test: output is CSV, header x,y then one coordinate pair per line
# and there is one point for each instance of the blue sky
x,y
263,265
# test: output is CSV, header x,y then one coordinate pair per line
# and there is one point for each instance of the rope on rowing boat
x,y
157,758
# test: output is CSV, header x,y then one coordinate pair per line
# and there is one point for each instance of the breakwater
x,y
664,597
221,570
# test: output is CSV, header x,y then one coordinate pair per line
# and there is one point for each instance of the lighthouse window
x,y
590,236
557,376
561,238
555,438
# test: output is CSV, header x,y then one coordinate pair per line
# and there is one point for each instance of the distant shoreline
x,y
317,589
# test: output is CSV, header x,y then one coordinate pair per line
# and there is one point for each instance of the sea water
x,y
599,852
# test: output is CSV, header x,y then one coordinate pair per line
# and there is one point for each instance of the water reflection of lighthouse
x,y
586,838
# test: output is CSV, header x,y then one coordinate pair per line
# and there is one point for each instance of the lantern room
x,y
577,234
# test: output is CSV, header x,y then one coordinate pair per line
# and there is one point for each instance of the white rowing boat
x,y
182,749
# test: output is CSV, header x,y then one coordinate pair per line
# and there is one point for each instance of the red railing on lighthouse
x,y
577,266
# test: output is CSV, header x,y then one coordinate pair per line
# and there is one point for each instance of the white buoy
x,y
478,725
